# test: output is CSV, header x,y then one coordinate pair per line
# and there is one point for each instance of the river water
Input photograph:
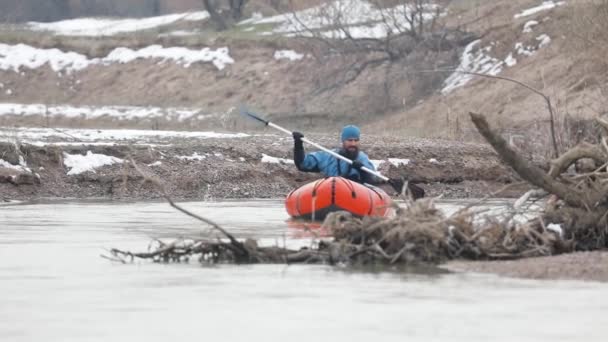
x,y
54,286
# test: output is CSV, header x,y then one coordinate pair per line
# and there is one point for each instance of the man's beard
x,y
351,152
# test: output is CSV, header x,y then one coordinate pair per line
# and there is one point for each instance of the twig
x,y
161,188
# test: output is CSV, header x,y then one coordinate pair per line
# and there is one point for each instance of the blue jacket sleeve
x,y
312,162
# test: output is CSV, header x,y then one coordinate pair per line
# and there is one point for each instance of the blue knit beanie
x,y
350,132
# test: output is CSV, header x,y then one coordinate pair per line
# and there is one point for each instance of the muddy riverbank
x,y
590,266
51,163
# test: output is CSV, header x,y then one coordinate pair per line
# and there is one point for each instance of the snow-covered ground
x,y
274,160
473,60
14,57
67,136
111,26
478,60
287,54
112,112
546,5
78,163
357,19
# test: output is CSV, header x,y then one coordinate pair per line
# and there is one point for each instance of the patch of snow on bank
x,y
4,163
194,156
546,5
528,26
544,40
472,60
529,50
38,136
114,112
13,57
89,162
22,164
358,18
433,161
109,27
179,55
398,162
556,228
274,160
179,33
524,50
376,163
287,54
510,60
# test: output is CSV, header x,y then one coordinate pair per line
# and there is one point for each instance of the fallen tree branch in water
x,y
584,197
235,245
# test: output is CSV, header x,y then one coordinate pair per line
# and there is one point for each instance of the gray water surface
x,y
55,287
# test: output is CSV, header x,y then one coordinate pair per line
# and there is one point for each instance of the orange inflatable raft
x,y
313,201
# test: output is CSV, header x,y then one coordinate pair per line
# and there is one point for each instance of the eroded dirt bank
x,y
254,166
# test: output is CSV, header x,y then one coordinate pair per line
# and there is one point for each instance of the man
x,y
331,166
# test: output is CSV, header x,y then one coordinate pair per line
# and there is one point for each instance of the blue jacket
x,y
331,166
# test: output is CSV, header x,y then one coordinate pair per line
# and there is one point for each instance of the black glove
x,y
298,149
357,165
297,137
397,184
417,192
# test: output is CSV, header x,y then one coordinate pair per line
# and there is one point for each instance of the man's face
x,y
351,146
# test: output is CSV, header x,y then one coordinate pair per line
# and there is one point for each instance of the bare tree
x,y
379,33
225,13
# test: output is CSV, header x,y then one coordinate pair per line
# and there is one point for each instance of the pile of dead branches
x,y
577,183
418,233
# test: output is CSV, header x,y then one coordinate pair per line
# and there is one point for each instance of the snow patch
x,y
194,156
274,160
38,136
546,5
89,162
109,26
510,60
524,50
376,163
398,162
528,26
13,57
287,54
544,40
472,60
433,161
529,50
156,163
9,92
556,228
179,55
114,112
4,163
359,18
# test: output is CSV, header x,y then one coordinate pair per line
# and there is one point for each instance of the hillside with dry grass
x,y
404,89
571,70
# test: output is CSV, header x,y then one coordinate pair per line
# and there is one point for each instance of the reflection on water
x,y
55,287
